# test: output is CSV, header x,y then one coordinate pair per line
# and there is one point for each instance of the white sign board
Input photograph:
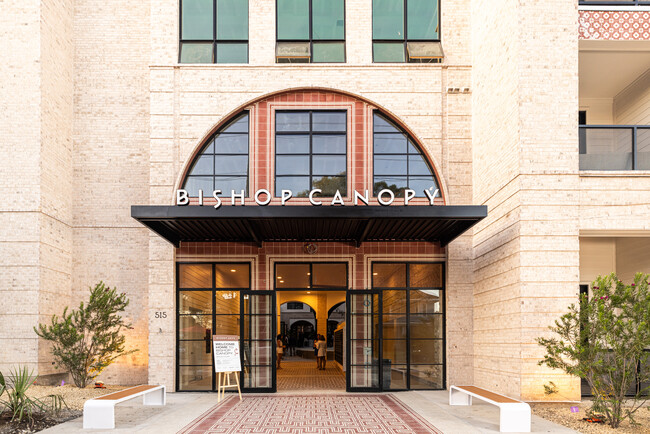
x,y
226,353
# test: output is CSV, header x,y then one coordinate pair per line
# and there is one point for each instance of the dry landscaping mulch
x,y
560,413
74,398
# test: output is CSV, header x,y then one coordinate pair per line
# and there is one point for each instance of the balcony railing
x,y
614,147
614,3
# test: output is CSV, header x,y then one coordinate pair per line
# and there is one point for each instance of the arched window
x,y
222,164
398,162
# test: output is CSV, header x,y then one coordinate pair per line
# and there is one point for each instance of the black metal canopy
x,y
309,223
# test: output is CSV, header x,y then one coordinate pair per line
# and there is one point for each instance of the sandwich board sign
x,y
226,353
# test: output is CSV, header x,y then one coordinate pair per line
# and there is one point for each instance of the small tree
x,y
603,340
89,339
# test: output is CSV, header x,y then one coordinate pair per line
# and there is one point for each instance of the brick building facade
x,y
100,115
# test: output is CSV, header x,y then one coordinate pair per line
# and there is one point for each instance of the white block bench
x,y
514,415
99,413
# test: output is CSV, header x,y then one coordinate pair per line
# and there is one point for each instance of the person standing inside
x,y
279,350
322,352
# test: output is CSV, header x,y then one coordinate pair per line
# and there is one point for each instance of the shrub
x,y
21,406
602,340
89,339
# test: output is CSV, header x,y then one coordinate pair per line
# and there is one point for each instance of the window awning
x,y
259,224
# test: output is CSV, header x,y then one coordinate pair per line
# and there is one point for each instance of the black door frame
x,y
242,341
348,326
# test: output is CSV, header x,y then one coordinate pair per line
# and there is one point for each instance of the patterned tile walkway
x,y
293,414
302,376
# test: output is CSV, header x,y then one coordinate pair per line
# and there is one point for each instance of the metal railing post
x,y
634,164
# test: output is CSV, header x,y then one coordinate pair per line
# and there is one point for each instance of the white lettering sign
x,y
225,349
385,197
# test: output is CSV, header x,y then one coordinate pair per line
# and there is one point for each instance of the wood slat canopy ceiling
x,y
309,223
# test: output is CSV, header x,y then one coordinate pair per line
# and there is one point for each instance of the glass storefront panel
x,y
364,304
330,276
258,304
394,351
195,352
194,326
258,377
425,275
195,303
394,326
426,326
215,309
393,301
426,301
195,276
426,351
364,351
232,275
227,302
226,325
364,376
389,275
258,327
292,275
394,376
427,377
195,377
412,325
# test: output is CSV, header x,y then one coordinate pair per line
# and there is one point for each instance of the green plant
x,y
550,389
87,340
21,406
602,340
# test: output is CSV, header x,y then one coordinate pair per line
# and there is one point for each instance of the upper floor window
x,y
311,152
406,31
310,31
398,163
214,31
222,164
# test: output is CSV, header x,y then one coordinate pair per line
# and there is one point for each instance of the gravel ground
x,y
560,413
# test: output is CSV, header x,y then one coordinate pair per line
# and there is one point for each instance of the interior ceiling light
x,y
232,270
374,274
282,281
279,277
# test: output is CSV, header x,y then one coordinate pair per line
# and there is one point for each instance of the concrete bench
x,y
514,415
99,413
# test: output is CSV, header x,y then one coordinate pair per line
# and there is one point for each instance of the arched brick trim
x,y
315,95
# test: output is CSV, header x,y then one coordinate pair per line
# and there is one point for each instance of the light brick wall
x,y
526,157
111,165
35,242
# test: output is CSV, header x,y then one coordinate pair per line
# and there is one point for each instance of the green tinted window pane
x,y
388,52
196,53
232,53
327,19
196,19
232,19
293,19
422,19
329,52
387,19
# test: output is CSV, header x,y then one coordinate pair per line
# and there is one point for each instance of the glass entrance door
x,y
258,341
363,341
